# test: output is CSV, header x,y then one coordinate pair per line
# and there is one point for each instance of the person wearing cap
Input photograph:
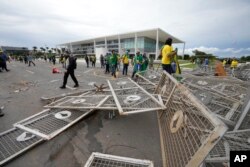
x,y
125,61
70,71
3,59
167,53
137,62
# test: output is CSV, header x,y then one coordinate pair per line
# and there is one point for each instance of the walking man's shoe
x,y
76,86
1,111
63,87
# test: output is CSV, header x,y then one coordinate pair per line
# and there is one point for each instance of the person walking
x,y
94,60
151,62
70,71
3,60
102,61
54,59
167,53
125,60
206,62
30,59
234,64
137,62
107,61
25,59
113,63
144,62
87,60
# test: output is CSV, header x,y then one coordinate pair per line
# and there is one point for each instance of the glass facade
x,y
144,44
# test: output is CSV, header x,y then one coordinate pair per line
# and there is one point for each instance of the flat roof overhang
x,y
152,33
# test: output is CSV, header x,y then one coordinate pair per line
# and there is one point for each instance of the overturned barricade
x,y
243,72
15,142
188,115
49,123
232,141
139,101
188,130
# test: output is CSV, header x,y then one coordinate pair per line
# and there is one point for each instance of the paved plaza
x,y
135,136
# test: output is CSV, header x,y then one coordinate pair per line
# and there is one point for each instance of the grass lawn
x,y
189,66
183,61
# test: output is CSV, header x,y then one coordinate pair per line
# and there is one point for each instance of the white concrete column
x,y
94,47
184,45
106,47
157,44
135,42
119,44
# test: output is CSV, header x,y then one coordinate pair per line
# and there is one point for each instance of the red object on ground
x,y
55,70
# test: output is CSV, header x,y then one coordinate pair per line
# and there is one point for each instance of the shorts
x,y
168,68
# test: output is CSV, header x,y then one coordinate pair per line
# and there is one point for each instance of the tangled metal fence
x,y
139,101
243,72
49,123
106,160
150,76
234,89
231,141
81,102
226,109
14,142
188,130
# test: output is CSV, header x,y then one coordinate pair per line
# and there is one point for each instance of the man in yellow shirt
x,y
167,53
125,60
234,65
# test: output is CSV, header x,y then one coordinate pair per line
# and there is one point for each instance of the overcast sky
x,y
221,27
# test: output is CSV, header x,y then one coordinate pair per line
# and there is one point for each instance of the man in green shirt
x,y
145,62
113,63
137,62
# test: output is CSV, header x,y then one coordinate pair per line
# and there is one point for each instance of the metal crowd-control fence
x,y
234,89
51,122
137,102
231,141
188,129
14,142
102,160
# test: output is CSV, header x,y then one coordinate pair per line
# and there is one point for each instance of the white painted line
x,y
70,87
88,71
30,71
54,80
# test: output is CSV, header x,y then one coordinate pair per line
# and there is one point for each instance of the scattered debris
x,y
191,115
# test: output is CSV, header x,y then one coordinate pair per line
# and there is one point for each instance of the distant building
x,y
14,50
147,41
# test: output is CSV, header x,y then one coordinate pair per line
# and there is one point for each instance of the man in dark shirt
x,y
70,71
3,59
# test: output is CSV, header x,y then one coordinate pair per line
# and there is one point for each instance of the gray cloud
x,y
212,24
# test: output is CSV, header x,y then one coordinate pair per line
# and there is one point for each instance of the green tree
x,y
34,49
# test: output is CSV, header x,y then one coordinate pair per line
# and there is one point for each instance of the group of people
x,y
90,59
112,62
